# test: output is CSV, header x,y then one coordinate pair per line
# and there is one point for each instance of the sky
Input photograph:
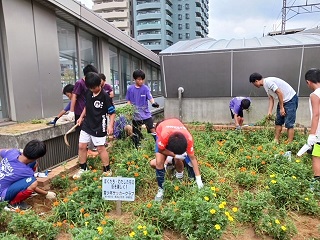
x,y
252,18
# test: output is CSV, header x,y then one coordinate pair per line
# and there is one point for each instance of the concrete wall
x,y
32,60
216,110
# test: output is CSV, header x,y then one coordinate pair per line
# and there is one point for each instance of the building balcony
x,y
148,16
149,37
121,24
169,38
113,15
154,47
148,27
110,5
169,28
154,5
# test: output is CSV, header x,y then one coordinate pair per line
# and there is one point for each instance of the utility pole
x,y
295,10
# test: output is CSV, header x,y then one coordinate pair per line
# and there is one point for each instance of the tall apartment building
x,y
157,24
117,12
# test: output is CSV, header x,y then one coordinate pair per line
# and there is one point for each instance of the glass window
x,y
187,25
67,52
187,6
187,15
87,49
187,35
136,64
180,36
180,26
155,81
180,16
125,72
179,7
114,71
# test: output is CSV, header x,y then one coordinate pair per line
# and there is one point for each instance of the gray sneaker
x,y
159,195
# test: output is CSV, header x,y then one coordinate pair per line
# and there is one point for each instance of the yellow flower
x,y
227,213
277,221
294,177
139,227
100,230
283,228
176,188
273,181
221,205
298,160
86,223
217,226
206,198
212,211
144,227
224,203
272,175
266,187
214,194
213,188
234,209
132,234
307,199
145,232
230,219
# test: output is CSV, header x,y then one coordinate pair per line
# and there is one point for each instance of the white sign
x,y
118,188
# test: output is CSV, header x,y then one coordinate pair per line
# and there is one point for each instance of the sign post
x,y
118,189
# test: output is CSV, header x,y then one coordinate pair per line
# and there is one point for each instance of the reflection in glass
x,y
87,48
114,71
125,72
67,52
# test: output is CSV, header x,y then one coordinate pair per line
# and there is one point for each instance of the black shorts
x,y
148,122
240,114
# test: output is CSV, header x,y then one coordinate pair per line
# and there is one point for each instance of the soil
x,y
307,226
23,127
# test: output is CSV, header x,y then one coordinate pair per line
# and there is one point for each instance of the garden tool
x,y
65,136
303,150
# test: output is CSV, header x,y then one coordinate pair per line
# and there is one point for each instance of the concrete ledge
x,y
66,169
12,137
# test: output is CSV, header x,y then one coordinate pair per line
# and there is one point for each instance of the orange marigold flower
x,y
128,163
17,210
65,221
71,226
243,169
71,192
136,174
259,148
145,156
59,224
82,210
222,180
95,179
75,189
149,205
86,215
248,157
99,187
137,166
65,200
253,173
217,189
176,188
94,170
263,162
103,222
22,212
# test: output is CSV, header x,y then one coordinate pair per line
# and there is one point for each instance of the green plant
x,y
143,231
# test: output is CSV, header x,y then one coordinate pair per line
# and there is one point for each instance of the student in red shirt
x,y
173,139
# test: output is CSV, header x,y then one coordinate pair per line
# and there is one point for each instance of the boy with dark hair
x,y
277,88
173,139
105,86
237,105
94,127
67,90
138,95
78,96
312,78
17,181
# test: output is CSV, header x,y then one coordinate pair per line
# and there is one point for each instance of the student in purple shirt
x,y
67,90
237,105
105,86
17,181
78,96
139,94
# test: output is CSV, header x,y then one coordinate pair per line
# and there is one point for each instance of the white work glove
x,y
312,139
169,159
70,116
199,182
51,195
181,156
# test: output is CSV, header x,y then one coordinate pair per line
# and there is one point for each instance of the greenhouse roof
x,y
210,44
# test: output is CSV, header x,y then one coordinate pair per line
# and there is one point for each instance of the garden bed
x,y
252,191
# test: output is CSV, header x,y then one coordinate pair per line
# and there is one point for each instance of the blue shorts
x,y
17,187
290,118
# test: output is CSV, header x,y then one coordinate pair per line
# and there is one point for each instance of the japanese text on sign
x,y
118,188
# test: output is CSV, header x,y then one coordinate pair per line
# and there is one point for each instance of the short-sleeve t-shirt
x,y
12,170
67,108
95,122
166,128
80,90
317,93
271,84
235,104
139,98
107,88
